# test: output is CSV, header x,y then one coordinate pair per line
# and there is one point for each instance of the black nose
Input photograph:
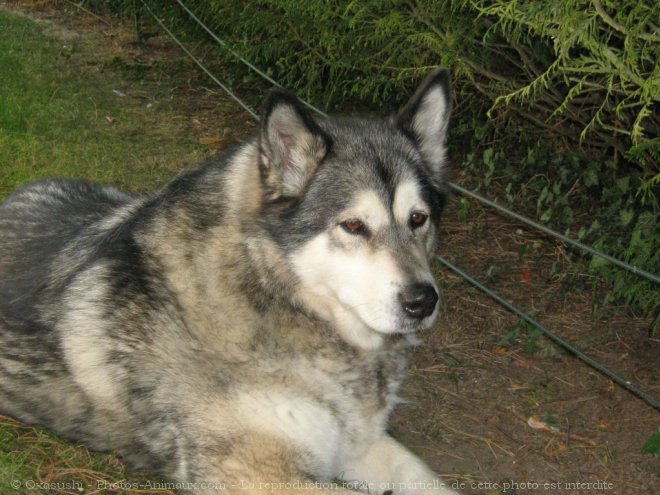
x,y
418,300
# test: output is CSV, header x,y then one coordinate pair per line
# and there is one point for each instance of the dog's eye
x,y
354,226
417,219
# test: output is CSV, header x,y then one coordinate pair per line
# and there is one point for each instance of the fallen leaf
x,y
554,448
524,363
500,351
215,141
537,424
610,387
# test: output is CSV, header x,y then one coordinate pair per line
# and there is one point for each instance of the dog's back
x,y
45,233
37,223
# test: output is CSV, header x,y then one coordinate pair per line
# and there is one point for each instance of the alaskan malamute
x,y
248,326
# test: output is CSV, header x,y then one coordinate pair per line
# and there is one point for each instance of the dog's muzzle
x,y
418,300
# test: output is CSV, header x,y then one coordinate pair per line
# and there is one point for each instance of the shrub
x,y
577,79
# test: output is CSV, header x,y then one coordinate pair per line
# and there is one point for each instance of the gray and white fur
x,y
249,323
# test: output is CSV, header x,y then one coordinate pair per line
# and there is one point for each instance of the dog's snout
x,y
418,300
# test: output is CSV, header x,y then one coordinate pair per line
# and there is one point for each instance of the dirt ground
x,y
493,407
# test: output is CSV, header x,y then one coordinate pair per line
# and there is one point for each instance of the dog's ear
x,y
425,118
291,146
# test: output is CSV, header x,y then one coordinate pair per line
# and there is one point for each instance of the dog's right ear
x,y
291,146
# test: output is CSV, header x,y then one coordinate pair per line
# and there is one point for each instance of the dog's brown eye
x,y
353,226
417,219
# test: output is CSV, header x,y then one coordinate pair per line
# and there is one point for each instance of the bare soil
x,y
493,407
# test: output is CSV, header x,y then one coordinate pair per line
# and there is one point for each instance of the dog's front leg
x,y
389,466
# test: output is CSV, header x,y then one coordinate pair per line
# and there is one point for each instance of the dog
x,y
248,326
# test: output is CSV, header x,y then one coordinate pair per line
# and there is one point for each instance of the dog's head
x,y
355,205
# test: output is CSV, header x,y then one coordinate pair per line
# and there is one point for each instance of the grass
x,y
34,460
59,117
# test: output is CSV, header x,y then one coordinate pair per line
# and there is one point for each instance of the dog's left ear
x,y
425,118
291,146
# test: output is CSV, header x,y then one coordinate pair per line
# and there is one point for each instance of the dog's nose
x,y
418,300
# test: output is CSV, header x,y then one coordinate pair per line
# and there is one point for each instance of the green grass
x,y
32,455
58,117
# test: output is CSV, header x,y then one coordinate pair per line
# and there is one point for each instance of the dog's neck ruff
x,y
347,325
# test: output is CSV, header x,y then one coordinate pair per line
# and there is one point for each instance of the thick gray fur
x,y
177,328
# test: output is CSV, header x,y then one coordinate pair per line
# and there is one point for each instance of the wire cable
x,y
567,240
226,46
552,336
201,66
548,333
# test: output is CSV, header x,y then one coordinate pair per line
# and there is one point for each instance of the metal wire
x,y
567,240
225,45
552,336
548,333
201,66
